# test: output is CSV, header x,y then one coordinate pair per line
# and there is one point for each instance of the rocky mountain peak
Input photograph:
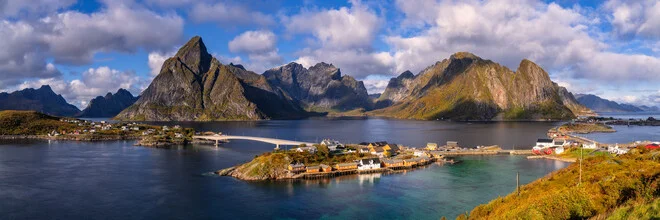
x,y
195,55
464,55
237,66
406,75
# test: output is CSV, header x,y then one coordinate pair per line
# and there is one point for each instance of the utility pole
x,y
581,147
518,182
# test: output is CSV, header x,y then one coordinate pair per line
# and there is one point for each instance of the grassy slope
x,y
614,187
30,123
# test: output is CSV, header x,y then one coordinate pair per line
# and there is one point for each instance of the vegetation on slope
x,y
612,187
584,128
30,123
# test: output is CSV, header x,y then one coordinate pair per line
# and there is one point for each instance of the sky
x,y
84,49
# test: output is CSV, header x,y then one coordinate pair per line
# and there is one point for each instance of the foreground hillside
x,y
467,87
623,187
30,123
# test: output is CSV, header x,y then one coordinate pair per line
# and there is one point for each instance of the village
x,y
374,157
87,130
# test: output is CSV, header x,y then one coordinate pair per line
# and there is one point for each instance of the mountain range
x,y
108,106
195,86
467,87
599,104
43,100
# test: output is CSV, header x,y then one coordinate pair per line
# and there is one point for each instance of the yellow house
x,y
346,166
431,146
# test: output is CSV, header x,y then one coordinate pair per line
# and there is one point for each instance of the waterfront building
x,y
325,168
391,163
377,144
346,166
297,167
544,142
313,169
409,162
369,164
452,144
436,154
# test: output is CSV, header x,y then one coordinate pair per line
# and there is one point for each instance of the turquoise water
x,y
116,180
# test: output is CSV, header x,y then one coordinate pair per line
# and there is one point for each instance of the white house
x,y
419,153
617,150
332,144
369,164
311,149
590,146
543,142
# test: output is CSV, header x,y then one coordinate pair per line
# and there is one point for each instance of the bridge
x,y
276,142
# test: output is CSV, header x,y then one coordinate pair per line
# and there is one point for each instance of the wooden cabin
x,y
297,167
325,168
410,162
391,163
313,169
346,166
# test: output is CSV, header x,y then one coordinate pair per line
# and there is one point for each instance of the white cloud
x,y
76,36
72,37
635,18
93,82
339,28
343,37
375,85
253,42
228,14
17,8
156,60
508,31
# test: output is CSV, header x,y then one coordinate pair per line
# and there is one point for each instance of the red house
x,y
652,146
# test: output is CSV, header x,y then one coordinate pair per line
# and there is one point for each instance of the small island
x,y
331,158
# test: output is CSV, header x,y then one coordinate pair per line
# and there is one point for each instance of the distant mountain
x,y
599,104
108,106
320,88
649,108
195,86
42,100
467,87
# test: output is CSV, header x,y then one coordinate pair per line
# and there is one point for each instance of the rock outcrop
x,y
108,106
466,87
195,86
42,100
320,88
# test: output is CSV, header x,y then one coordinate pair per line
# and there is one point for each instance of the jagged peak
x,y
195,55
464,55
237,66
45,88
406,75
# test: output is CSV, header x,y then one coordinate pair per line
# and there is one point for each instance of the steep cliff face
x,y
109,105
466,87
42,100
319,88
194,86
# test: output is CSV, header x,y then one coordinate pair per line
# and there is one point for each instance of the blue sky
x,y
88,48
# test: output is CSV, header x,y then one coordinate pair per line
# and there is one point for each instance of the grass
x,y
31,123
615,187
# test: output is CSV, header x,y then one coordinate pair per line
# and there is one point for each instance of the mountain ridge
x,y
108,106
467,87
42,100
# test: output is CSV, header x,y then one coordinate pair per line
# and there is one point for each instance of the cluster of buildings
x,y
91,127
549,146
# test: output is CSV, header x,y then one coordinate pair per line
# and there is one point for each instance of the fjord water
x,y
116,180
